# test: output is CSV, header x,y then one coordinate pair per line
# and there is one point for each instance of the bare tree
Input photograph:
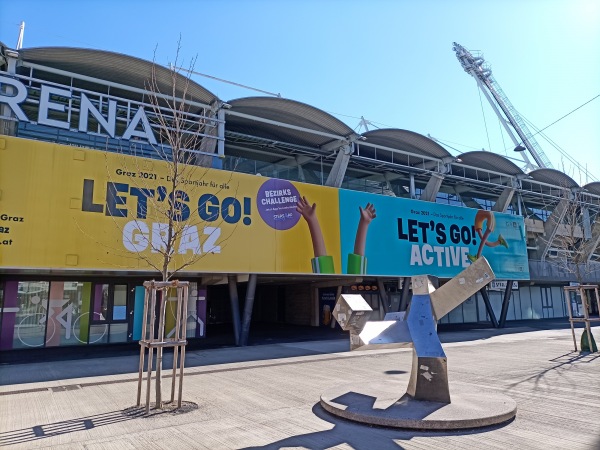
x,y
186,138
183,136
571,221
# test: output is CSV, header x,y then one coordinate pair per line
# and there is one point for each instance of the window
x,y
111,314
30,319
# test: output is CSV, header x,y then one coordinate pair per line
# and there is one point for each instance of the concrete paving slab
x,y
263,402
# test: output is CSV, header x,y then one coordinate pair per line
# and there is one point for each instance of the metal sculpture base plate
x,y
379,403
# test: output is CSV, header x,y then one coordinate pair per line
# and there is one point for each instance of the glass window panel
x,y
99,333
69,318
118,332
30,320
120,303
100,303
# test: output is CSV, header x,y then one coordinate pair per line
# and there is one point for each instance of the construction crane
x,y
477,67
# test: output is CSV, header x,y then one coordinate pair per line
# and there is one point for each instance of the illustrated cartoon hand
x,y
368,213
366,216
310,214
307,211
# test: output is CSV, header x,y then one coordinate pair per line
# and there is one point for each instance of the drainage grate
x,y
70,387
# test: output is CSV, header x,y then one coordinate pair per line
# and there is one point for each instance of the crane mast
x,y
478,69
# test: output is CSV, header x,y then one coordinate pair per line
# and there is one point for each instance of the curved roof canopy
x,y
485,166
288,112
593,187
490,161
553,177
554,181
116,68
423,148
407,141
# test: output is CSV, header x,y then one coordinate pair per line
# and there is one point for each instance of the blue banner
x,y
402,237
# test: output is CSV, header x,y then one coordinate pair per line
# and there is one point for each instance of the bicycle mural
x,y
39,314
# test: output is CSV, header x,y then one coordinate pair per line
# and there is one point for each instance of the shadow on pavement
x,y
268,342
64,427
48,430
359,436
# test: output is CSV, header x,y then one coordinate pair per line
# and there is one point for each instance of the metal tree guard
x,y
582,291
148,340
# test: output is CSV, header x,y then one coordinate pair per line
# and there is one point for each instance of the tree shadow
x,y
563,362
360,436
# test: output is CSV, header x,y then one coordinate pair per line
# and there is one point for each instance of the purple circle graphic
x,y
276,202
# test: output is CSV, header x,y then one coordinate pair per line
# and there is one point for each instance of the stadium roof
x,y
553,177
291,122
114,67
594,187
407,141
490,161
285,120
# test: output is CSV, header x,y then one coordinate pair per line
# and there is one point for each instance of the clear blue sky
x,y
388,61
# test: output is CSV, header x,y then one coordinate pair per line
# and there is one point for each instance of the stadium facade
x,y
285,207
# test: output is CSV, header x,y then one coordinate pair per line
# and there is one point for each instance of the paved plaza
x,y
267,396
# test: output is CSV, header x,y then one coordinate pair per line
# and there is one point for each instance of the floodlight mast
x,y
478,69
21,33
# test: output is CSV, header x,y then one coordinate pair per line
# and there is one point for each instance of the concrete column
x,y
383,295
505,303
9,127
504,200
209,142
235,307
412,190
488,307
432,188
250,291
405,295
338,171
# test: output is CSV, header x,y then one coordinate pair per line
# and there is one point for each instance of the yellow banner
x,y
65,207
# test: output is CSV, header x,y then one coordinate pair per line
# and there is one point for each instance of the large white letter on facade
x,y
14,100
88,107
140,115
189,240
46,105
160,233
135,236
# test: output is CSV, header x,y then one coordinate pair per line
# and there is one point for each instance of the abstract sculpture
x,y
428,383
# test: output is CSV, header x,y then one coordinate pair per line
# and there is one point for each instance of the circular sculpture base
x,y
381,403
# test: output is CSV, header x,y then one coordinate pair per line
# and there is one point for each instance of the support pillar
x,y
505,302
383,295
432,188
338,171
405,296
251,289
488,307
504,200
235,307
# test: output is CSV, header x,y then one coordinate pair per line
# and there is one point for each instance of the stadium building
x,y
281,207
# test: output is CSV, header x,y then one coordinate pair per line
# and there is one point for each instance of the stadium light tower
x,y
508,115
